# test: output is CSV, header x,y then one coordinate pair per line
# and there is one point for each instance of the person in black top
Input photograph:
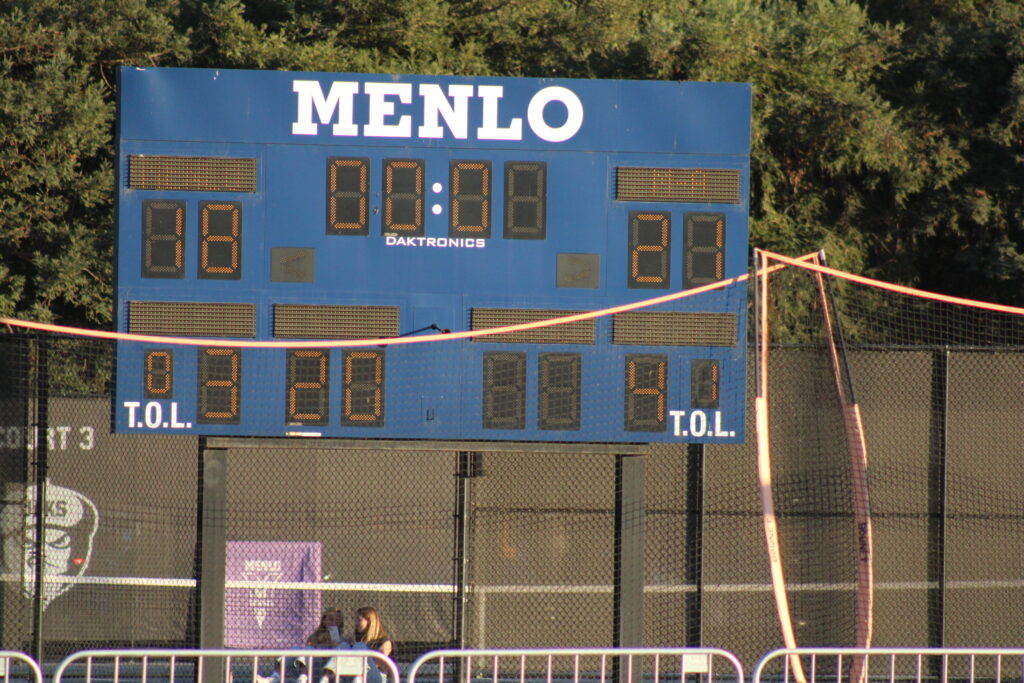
x,y
370,631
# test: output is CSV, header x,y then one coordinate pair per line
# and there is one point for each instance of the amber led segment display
x,y
675,328
307,381
220,240
362,388
693,185
646,389
220,385
348,196
576,332
192,318
650,235
191,174
305,321
158,373
470,199
403,197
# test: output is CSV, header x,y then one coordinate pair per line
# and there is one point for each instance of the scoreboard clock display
x,y
271,206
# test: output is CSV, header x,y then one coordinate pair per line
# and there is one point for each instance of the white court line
x,y
152,582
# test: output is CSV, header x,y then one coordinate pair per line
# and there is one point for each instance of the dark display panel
x,y
163,238
526,194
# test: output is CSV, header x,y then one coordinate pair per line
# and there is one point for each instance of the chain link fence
x,y
506,546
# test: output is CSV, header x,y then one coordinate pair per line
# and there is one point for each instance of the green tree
x,y
396,36
822,133
582,38
958,79
891,137
889,134
58,97
57,83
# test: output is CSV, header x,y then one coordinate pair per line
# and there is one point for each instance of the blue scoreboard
x,y
271,206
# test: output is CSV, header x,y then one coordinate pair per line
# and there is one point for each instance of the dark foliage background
x,y
889,134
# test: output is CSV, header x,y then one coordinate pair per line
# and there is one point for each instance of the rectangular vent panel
x,y
301,321
692,185
579,332
192,319
674,329
199,174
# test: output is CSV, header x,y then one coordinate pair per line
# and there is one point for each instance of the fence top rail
x,y
219,652
868,653
182,655
584,651
603,654
986,651
21,657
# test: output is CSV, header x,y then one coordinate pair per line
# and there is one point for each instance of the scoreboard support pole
x,y
470,466
213,520
630,514
694,544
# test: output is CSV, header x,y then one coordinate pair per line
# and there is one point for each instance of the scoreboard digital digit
x,y
291,207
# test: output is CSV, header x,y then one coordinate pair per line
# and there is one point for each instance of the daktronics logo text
x,y
436,242
389,103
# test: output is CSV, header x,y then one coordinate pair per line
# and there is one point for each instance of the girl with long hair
x,y
369,630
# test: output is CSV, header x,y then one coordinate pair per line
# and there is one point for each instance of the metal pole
x,y
694,566
469,466
212,568
40,425
630,516
459,551
937,498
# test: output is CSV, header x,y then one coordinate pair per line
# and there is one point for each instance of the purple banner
x,y
256,613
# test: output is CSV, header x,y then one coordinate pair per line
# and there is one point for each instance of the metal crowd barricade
x,y
219,666
618,665
889,665
17,666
